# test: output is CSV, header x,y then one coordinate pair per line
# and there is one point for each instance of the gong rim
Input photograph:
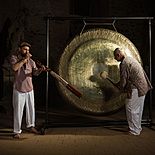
x,y
85,104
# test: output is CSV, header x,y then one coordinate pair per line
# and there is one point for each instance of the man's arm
x,y
124,76
38,71
19,64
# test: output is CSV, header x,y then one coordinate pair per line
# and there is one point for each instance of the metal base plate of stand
x,y
50,124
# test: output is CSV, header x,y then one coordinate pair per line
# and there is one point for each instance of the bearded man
x,y
23,94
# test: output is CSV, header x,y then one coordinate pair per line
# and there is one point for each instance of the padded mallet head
x,y
104,75
98,68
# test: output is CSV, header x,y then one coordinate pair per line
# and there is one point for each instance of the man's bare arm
x,y
37,72
19,64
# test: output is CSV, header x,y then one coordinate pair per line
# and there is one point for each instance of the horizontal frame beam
x,y
97,18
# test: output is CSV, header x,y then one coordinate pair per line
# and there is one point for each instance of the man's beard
x,y
23,55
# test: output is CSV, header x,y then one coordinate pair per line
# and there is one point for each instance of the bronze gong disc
x,y
81,63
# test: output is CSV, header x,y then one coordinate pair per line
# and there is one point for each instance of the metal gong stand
x,y
94,123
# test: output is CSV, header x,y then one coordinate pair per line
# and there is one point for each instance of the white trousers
x,y
19,101
134,111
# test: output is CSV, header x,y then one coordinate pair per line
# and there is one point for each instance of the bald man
x,y
134,82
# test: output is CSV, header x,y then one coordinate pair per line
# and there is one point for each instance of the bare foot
x,y
16,136
33,130
128,133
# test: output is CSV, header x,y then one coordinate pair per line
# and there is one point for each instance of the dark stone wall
x,y
24,20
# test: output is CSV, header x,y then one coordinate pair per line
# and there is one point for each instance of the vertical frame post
x,y
150,56
47,57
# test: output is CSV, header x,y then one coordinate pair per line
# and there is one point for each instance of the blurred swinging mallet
x,y
65,83
104,75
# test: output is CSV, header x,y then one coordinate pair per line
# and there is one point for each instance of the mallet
x,y
104,75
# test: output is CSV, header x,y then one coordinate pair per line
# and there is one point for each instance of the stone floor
x,y
66,136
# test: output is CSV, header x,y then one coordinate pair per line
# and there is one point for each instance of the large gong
x,y
86,56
